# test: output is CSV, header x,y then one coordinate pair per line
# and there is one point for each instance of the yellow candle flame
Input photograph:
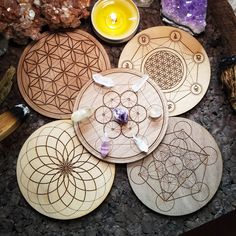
x,y
113,17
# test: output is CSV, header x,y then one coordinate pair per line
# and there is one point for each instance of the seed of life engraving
x,y
175,60
182,174
138,113
111,99
103,114
132,128
129,99
123,149
52,71
58,177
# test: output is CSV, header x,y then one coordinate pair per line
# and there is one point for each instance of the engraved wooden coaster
x,y
175,60
58,177
52,70
182,174
139,104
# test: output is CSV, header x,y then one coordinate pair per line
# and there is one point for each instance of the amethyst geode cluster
x,y
189,14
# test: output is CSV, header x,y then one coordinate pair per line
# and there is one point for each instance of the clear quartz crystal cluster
x,y
189,14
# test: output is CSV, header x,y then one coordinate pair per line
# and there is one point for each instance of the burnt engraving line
x,y
182,97
65,185
190,79
63,54
180,183
126,99
197,75
163,190
187,47
154,41
135,52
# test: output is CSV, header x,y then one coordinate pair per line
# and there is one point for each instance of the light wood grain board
x,y
58,177
175,60
182,174
103,100
52,70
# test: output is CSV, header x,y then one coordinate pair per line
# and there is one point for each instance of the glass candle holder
x,y
115,21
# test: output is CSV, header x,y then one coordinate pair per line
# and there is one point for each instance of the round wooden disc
x,y
175,60
52,70
182,174
104,100
58,177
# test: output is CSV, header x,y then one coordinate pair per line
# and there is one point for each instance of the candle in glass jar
x,y
115,20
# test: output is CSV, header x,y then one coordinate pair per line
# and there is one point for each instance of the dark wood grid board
x,y
53,69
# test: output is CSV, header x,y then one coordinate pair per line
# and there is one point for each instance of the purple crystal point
x,y
105,146
190,14
121,115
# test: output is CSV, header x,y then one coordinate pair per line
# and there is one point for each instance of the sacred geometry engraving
x,y
130,129
175,60
139,104
58,177
113,129
138,113
129,99
103,115
166,68
111,99
52,70
182,174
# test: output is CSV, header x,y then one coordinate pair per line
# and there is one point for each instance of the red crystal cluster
x,y
25,18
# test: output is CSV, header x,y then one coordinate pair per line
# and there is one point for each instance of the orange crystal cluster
x,y
25,18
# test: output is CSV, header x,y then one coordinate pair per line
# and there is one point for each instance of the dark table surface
x,y
122,213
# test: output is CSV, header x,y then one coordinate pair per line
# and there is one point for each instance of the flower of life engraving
x,y
139,104
58,177
182,174
52,70
175,60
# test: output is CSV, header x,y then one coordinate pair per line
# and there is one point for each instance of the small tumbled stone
x,y
190,14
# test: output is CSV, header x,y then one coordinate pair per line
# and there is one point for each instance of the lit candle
x,y
115,20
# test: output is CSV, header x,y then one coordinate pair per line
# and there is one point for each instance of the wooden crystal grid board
x,y
103,100
52,70
182,174
58,177
175,60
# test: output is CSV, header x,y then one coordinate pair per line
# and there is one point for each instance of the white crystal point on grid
x,y
141,144
105,146
102,80
155,112
138,85
82,114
